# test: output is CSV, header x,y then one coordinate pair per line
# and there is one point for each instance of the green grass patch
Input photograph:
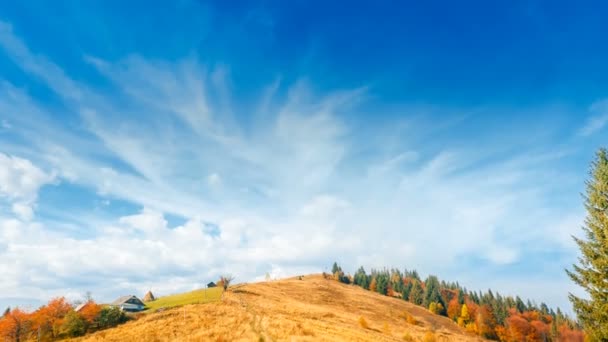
x,y
195,297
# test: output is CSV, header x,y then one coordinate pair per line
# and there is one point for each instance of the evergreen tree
x,y
544,309
335,268
499,308
382,282
407,288
432,293
416,294
361,278
397,280
461,296
592,271
519,305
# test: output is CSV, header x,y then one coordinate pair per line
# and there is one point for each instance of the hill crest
x,y
307,308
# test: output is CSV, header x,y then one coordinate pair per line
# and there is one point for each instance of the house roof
x,y
124,299
81,306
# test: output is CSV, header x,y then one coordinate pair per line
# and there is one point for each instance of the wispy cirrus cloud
x,y
597,120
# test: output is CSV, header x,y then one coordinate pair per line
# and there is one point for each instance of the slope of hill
x,y
201,296
308,309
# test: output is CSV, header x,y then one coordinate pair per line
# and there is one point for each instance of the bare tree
x,y
225,281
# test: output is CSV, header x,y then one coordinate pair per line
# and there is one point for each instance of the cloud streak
x,y
597,120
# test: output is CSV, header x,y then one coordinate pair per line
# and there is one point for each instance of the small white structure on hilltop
x,y
129,303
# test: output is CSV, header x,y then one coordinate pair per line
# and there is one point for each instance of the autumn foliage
x,y
55,320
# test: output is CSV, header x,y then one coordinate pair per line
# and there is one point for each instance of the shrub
x,y
363,323
410,319
109,317
74,325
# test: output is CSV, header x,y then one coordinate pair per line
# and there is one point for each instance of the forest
x,y
489,315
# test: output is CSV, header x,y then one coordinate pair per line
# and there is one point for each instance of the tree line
x,y
490,315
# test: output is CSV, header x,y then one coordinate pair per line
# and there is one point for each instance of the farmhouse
x,y
211,284
129,303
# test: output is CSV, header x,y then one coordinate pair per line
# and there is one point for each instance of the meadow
x,y
309,308
200,296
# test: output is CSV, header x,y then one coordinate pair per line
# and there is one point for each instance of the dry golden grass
x,y
429,337
363,323
311,309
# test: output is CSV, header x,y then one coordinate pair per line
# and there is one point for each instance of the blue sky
x,y
156,148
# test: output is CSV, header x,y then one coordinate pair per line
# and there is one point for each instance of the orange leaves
x,y
567,334
48,322
15,325
528,326
454,309
485,322
49,318
374,285
90,311
518,327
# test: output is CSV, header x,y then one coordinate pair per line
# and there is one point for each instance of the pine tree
x,y
407,288
361,278
519,305
335,268
432,293
382,282
461,296
592,272
416,294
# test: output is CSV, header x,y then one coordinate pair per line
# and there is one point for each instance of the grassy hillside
x,y
201,296
311,309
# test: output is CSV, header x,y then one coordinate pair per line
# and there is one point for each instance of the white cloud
x,y
20,181
323,206
148,221
597,120
36,64
23,211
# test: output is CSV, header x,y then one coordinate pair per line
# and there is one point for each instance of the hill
x,y
309,308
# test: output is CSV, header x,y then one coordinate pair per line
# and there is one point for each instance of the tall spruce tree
x,y
592,271
416,293
432,293
361,278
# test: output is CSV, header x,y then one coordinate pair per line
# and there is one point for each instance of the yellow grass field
x,y
310,309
